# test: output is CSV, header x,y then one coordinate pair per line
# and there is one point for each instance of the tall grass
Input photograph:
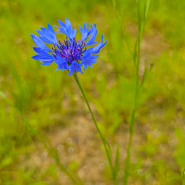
x,y
136,60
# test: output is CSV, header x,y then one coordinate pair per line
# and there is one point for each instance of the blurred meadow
x,y
50,100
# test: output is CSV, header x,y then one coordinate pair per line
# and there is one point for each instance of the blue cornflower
x,y
71,54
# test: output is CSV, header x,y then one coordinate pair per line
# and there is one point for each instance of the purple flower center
x,y
71,51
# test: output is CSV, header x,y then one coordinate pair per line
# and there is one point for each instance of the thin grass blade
x,y
116,165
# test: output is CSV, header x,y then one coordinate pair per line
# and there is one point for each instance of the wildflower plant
x,y
71,55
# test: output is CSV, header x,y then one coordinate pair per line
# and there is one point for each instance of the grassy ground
x,y
52,103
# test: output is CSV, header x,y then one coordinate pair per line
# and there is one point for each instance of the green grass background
x,y
40,92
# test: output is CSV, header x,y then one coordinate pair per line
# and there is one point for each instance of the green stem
x,y
101,136
131,130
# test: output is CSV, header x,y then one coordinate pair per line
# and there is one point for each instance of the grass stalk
x,y
136,57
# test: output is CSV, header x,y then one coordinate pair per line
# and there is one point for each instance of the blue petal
x,y
93,33
84,32
88,62
48,35
62,25
43,56
68,25
75,67
67,29
94,56
37,50
59,60
88,53
62,28
59,67
71,71
99,46
62,66
40,44
88,59
74,33
51,31
78,68
46,63
85,67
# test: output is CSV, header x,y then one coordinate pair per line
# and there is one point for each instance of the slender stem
x,y
131,129
101,136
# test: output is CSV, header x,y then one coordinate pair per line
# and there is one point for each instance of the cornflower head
x,y
70,54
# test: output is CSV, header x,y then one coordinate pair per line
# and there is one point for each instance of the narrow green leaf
x,y
144,76
138,16
146,8
116,165
135,51
109,152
